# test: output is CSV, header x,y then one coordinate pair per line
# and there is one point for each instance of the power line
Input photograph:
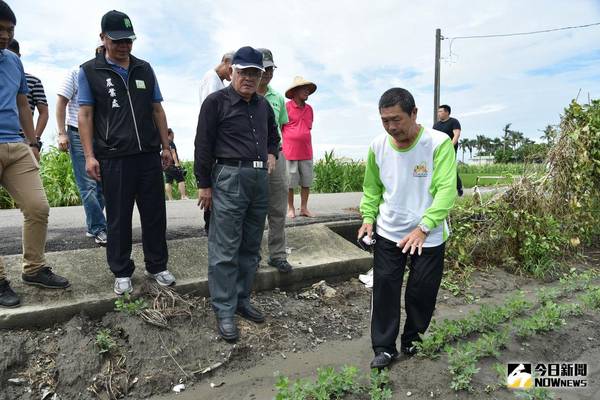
x,y
522,33
564,28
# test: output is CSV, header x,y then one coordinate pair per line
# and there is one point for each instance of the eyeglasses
x,y
251,73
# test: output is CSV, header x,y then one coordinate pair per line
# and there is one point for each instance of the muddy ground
x,y
305,329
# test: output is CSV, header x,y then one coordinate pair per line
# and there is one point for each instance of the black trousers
x,y
206,221
459,186
126,180
419,297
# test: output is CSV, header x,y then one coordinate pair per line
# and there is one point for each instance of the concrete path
x,y
316,251
66,225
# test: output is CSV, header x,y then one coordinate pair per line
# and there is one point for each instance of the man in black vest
x,y
123,126
235,149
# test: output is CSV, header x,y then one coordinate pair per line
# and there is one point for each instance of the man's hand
x,y
204,198
63,142
166,158
92,167
36,153
365,229
271,162
413,241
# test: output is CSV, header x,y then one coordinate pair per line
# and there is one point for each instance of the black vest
x,y
123,119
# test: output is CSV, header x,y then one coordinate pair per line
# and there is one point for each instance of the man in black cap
x,y
235,150
122,126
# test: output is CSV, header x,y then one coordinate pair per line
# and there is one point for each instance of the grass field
x,y
332,175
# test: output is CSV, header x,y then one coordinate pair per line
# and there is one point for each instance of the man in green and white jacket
x,y
409,188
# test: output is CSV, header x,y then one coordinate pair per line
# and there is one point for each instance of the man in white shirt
x,y
90,191
213,78
211,82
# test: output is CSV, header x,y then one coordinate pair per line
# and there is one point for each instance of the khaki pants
x,y
19,175
278,189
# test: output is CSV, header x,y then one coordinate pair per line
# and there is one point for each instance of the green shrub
x,y
336,175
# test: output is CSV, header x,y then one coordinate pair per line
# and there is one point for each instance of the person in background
x,y
175,172
19,168
36,96
297,143
451,127
214,77
211,82
90,191
278,180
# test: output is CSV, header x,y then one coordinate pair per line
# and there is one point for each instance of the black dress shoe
x,y
228,329
46,278
282,265
8,298
383,359
409,351
250,313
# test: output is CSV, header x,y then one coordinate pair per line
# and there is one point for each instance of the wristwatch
x,y
37,144
424,229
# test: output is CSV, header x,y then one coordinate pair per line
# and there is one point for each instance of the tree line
x,y
512,146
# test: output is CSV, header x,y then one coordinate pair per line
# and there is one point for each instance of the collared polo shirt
x,y
68,90
277,102
297,141
12,83
211,82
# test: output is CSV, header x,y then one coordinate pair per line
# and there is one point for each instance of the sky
x,y
353,50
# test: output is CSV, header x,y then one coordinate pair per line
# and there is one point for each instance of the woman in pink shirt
x,y
297,144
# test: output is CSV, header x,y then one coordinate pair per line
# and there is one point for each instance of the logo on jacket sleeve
x,y
420,170
109,82
140,84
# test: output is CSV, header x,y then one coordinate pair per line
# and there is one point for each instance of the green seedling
x,y
591,298
129,306
104,341
379,381
535,394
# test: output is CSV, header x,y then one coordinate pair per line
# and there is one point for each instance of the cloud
x,y
354,50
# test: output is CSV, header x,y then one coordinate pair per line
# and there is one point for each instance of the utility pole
x,y
436,83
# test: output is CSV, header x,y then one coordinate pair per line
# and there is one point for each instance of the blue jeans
x,y
89,190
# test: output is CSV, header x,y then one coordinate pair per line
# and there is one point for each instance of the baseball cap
x,y
117,25
267,58
247,57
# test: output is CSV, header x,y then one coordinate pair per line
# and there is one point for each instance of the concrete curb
x,y
324,252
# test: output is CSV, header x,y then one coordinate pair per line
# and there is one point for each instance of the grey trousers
x,y
240,198
278,190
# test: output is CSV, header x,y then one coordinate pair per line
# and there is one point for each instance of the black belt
x,y
242,163
73,128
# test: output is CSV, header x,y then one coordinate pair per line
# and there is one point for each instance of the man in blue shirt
x,y
19,168
123,128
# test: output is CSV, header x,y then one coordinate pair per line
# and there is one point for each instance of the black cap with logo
x,y
117,25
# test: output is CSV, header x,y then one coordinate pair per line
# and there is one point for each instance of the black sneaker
x,y
8,298
383,359
46,278
409,351
281,265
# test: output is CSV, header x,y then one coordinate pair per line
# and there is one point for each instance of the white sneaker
x,y
122,286
164,278
367,278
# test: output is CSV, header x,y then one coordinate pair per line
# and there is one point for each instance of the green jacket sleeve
x,y
443,185
372,190
283,115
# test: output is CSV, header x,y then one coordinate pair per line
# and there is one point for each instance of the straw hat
x,y
300,81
